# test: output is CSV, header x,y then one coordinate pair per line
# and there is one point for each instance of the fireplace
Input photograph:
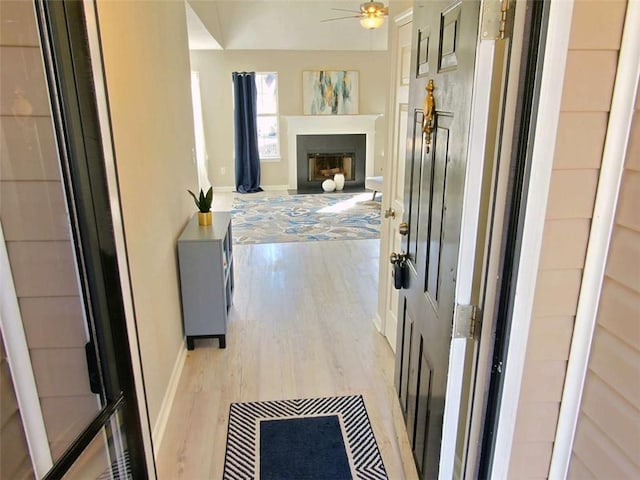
x,y
322,125
320,157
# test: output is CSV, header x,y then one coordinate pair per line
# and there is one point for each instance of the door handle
x,y
389,212
429,114
398,258
403,228
95,385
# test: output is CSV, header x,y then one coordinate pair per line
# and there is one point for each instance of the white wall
x,y
147,70
215,68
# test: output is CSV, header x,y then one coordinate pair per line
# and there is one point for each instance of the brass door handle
x,y
389,212
403,228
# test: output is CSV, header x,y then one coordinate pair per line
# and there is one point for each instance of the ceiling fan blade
x,y
339,18
344,10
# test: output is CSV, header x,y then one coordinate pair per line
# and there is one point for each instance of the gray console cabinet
x,y
205,256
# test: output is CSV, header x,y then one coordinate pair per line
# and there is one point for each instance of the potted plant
x,y
203,202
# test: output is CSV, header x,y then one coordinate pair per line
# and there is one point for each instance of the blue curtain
x,y
246,133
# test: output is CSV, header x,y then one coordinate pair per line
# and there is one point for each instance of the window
x,y
267,115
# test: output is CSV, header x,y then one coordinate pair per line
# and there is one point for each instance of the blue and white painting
x,y
330,92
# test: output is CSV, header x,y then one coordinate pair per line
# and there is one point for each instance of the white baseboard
x,y
266,188
391,329
167,402
377,321
274,188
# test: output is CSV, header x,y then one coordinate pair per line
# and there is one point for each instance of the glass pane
x,y
106,457
267,88
38,238
268,136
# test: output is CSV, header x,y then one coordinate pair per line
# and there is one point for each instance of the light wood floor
x,y
301,327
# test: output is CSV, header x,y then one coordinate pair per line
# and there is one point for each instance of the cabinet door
x,y
202,286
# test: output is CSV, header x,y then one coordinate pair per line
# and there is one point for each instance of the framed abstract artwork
x,y
330,92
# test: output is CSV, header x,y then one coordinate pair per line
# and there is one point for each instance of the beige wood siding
x,y
607,443
14,454
586,101
35,223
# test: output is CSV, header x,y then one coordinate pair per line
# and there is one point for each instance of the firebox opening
x,y
323,166
322,156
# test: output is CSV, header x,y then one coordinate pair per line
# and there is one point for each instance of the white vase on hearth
x,y
328,185
338,179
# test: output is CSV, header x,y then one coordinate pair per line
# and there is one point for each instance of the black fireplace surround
x,y
352,145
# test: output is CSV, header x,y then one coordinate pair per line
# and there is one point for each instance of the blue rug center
x,y
303,449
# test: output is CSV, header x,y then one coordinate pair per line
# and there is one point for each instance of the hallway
x,y
301,326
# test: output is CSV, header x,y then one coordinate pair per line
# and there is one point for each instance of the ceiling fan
x,y
371,14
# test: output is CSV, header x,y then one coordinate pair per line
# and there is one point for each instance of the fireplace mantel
x,y
329,124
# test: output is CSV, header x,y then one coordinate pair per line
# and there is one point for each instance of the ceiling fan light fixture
x,y
371,14
373,8
371,21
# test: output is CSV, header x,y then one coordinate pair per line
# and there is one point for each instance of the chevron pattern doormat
x,y
307,439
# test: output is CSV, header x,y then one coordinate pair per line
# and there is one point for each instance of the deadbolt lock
x,y
398,258
403,228
389,212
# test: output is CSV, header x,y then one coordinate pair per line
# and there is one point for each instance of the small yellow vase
x,y
205,218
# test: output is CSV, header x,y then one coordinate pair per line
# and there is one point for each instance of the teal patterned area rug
x,y
278,217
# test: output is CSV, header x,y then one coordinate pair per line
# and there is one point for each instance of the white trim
x,y
384,305
24,383
620,118
274,188
511,53
555,59
453,396
390,330
93,35
480,106
404,17
224,189
167,402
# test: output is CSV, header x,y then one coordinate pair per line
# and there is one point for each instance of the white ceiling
x,y
199,36
284,25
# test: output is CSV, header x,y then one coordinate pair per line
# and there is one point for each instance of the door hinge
x,y
495,18
466,321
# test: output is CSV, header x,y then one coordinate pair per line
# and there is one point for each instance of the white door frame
x,y
468,254
386,231
502,152
102,107
546,126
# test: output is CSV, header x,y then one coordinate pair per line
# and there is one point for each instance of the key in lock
x,y
400,270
